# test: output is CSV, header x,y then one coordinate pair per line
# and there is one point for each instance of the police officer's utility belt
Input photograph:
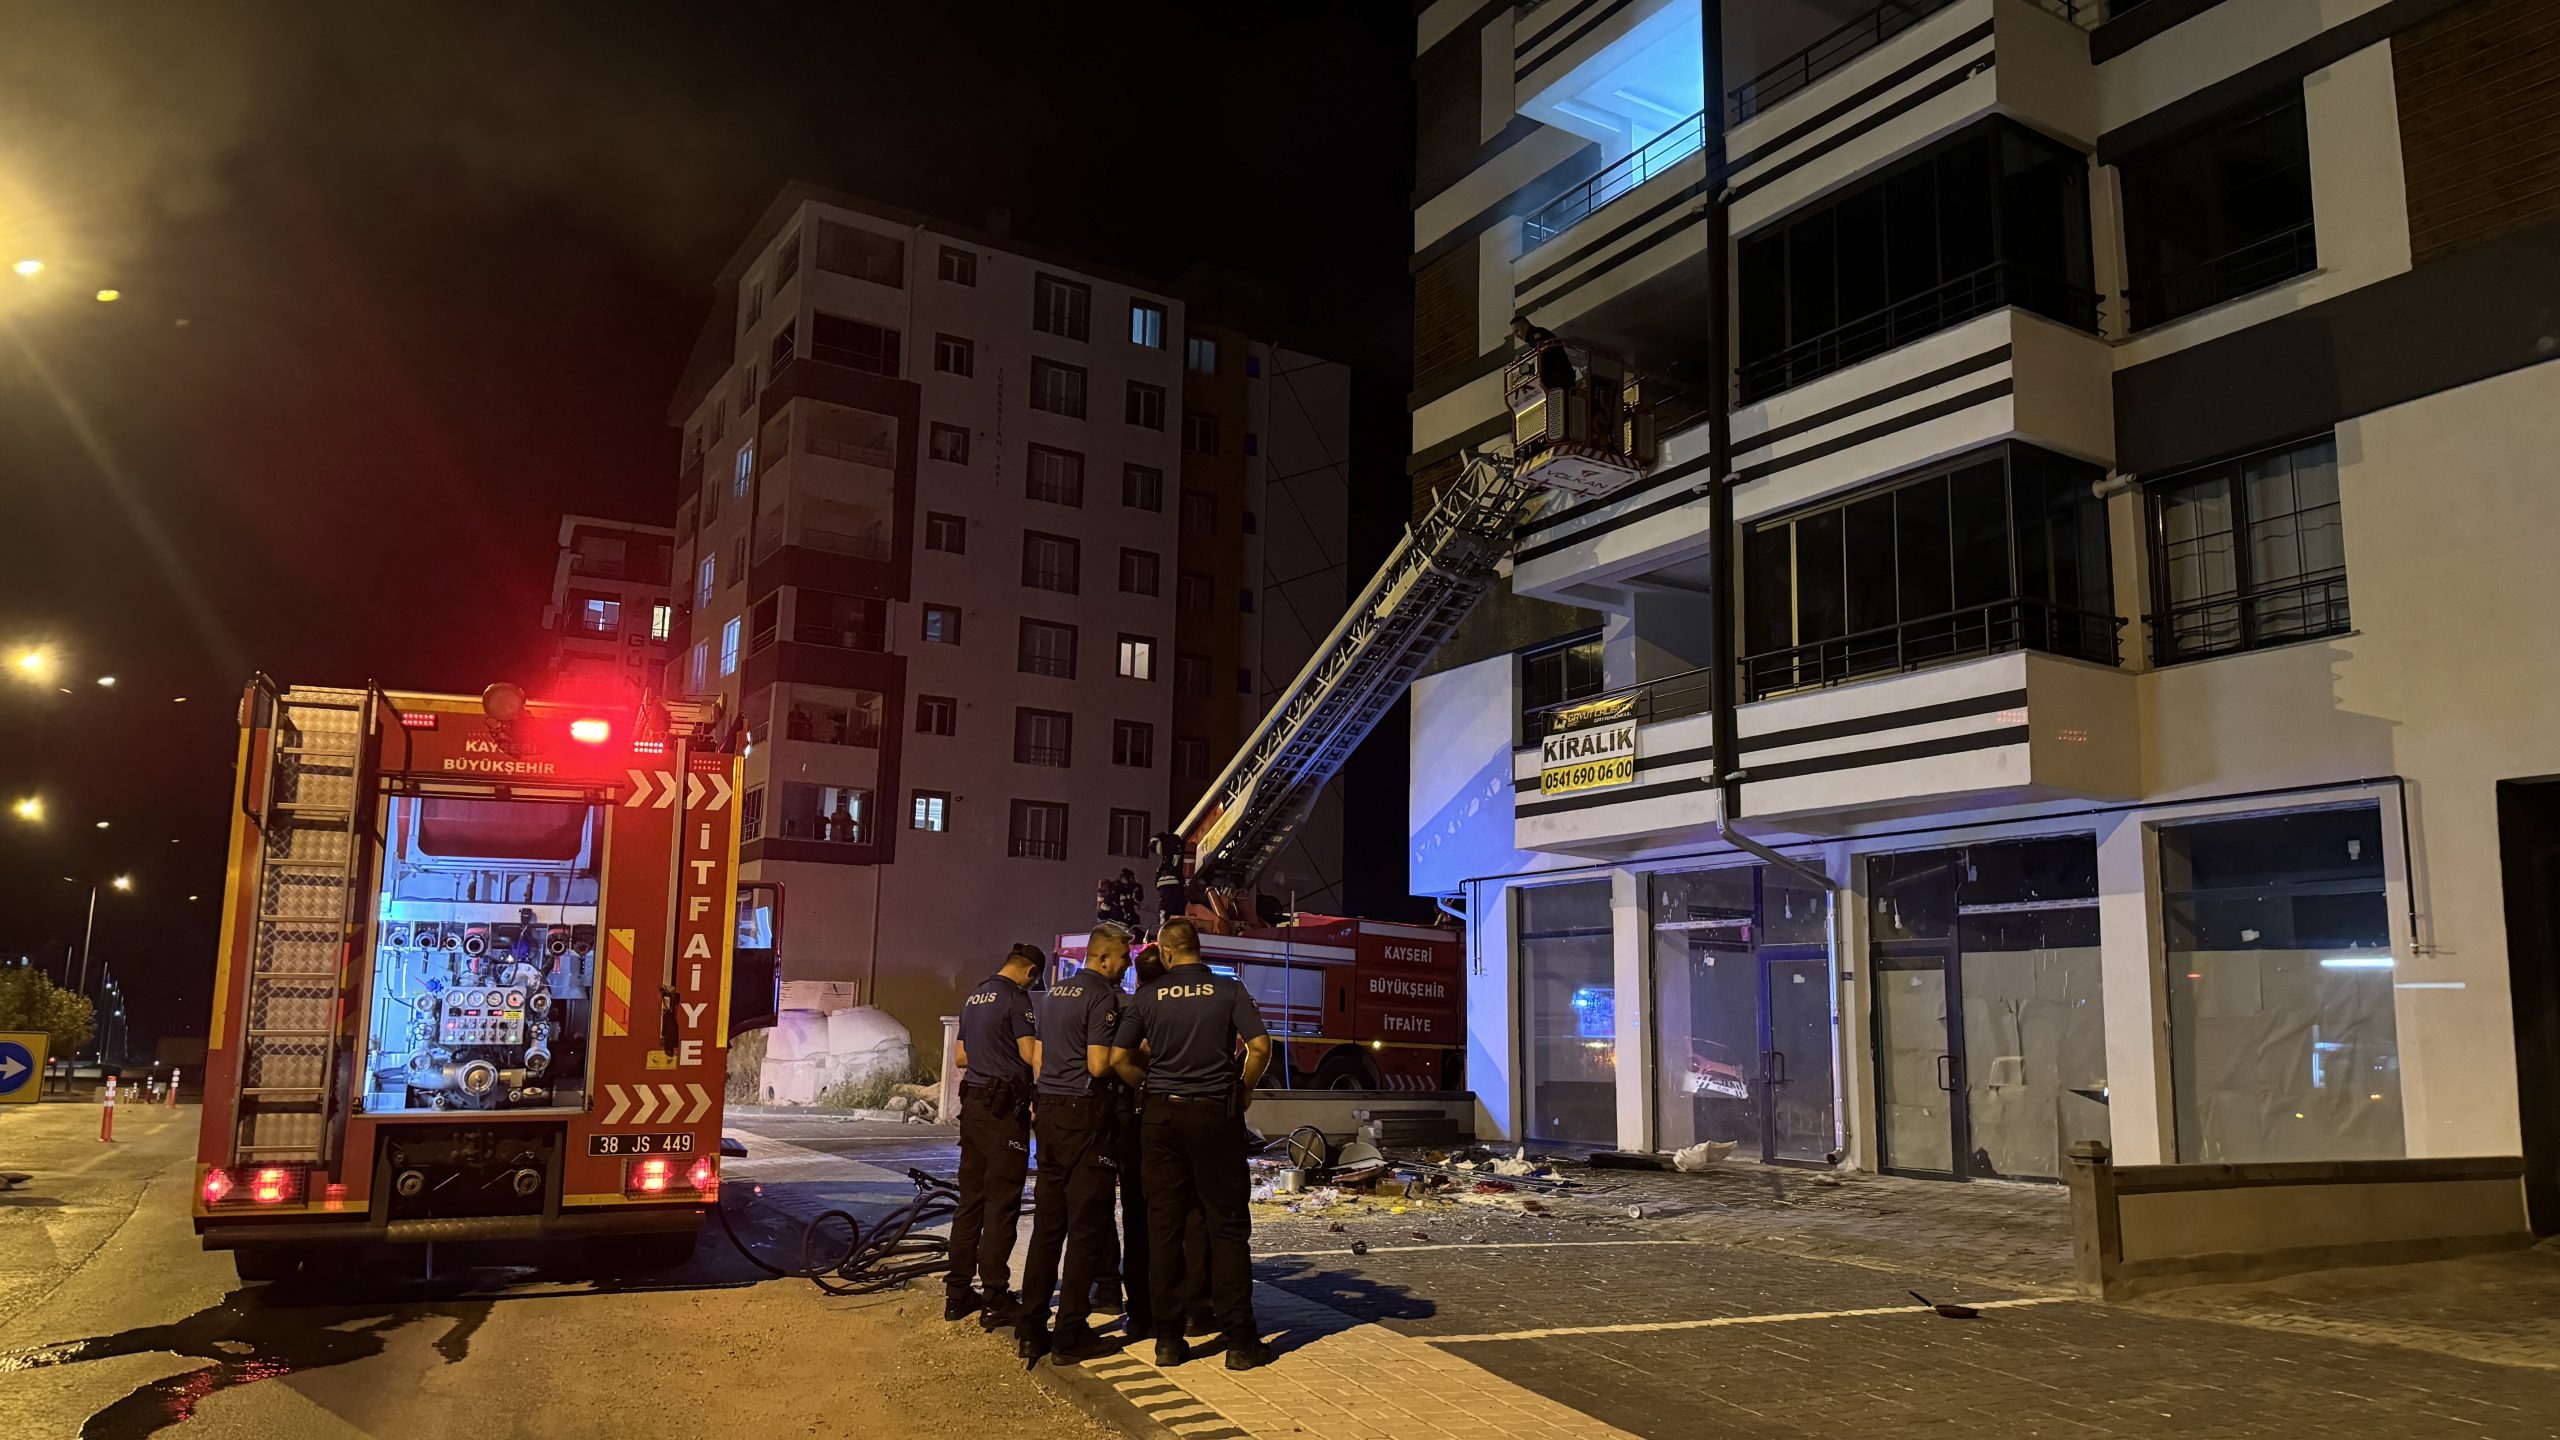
x,y
1067,1101
1155,1095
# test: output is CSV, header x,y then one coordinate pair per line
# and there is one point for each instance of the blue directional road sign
x,y
21,1065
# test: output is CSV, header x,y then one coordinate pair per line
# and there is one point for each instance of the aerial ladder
x,y
1588,435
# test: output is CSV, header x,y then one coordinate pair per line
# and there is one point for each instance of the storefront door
x,y
1743,1028
1795,1006
1919,1070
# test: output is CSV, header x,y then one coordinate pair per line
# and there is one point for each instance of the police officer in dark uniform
x,y
996,1033
1191,1021
1190,1264
1079,1016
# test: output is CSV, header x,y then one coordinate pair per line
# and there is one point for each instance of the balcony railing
x,y
2268,615
1062,666
1995,286
878,455
1667,698
1992,629
872,638
1569,209
2228,276
861,732
868,543
1054,756
1062,581
828,828
1799,71
1026,848
763,637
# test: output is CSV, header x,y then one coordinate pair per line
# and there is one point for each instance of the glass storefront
x,y
2282,1038
1569,1014
1742,1013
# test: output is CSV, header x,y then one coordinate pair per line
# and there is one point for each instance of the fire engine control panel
x,y
484,1017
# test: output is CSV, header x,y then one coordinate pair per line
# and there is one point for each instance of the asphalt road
x,y
114,1324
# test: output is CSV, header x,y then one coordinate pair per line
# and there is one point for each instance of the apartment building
x,y
611,616
977,541
2076,639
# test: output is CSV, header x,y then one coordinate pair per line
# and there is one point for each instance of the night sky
x,y
402,283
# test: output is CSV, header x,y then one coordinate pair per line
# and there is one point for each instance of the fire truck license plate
x,y
672,1143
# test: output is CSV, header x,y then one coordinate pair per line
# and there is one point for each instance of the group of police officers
x,y
1141,1093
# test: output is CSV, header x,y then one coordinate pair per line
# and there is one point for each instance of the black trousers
x,y
1071,1210
1189,1265
995,1156
1193,1155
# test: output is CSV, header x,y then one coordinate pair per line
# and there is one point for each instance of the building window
x,y
1993,216
841,622
1038,831
729,634
854,344
596,614
930,809
1047,648
780,350
1146,324
1049,562
751,814
1058,389
710,575
1568,999
1043,737
1137,657
835,813
960,267
787,264
1195,593
1191,674
1061,307
2003,551
853,720
1142,488
742,471
2248,553
1199,512
845,250
1146,405
1130,831
1199,432
951,443
662,621
766,618
2215,215
738,561
1133,743
1553,674
1137,573
755,304
937,714
946,533
1190,758
942,624
747,394
954,356
698,673
1200,354
2282,1038
1054,475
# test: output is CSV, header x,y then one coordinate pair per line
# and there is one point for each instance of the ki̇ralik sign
x,y
1589,747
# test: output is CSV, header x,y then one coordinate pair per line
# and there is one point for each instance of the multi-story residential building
x,y
2119,443
612,614
958,522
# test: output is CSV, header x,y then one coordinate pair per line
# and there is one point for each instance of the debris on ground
x,y
1690,1159
1946,1311
1635,1212
1628,1160
1359,1247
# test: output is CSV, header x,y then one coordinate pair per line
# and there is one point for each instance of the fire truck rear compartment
x,y
454,1171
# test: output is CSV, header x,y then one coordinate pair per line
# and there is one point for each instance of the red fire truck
x,y
481,960
1351,1004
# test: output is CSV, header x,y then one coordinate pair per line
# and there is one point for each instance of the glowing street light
x,y
109,297
29,267
103,825
33,663
109,681
122,882
29,809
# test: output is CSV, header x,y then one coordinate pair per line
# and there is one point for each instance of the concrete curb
x,y
1101,1400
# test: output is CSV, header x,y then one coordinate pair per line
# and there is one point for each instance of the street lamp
x,y
34,663
29,267
122,883
29,808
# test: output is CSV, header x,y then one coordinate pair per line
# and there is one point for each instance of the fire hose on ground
x,y
886,1256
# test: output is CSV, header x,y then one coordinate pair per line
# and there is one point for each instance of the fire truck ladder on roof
x,y
1411,606
310,813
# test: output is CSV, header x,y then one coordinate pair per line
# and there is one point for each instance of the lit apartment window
x,y
1049,562
1199,433
1146,406
1058,389
1137,572
946,533
743,470
2248,553
1047,648
698,674
1061,307
936,714
1142,488
1137,657
710,574
960,267
1200,353
954,356
1191,674
1043,737
1129,832
598,615
1054,475
1190,758
1038,831
1146,324
932,808
2213,216
662,621
1199,512
1133,743
951,443
942,624
729,645
1195,593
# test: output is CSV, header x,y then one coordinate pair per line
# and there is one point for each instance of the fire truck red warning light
x,y
590,731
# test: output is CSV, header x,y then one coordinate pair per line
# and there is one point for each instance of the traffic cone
x,y
173,1088
107,1112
